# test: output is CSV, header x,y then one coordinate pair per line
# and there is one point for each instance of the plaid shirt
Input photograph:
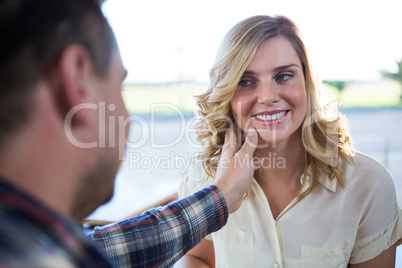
x,y
159,237
31,235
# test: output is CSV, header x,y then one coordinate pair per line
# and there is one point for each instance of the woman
x,y
314,202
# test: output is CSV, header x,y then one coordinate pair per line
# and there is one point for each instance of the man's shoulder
x,y
26,241
21,243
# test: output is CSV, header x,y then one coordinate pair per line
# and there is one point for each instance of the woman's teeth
x,y
271,117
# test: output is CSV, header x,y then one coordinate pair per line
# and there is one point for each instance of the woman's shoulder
x,y
364,164
367,172
195,179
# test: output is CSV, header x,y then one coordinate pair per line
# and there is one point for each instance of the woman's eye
x,y
244,82
284,77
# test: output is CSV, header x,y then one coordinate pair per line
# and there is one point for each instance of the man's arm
x,y
162,236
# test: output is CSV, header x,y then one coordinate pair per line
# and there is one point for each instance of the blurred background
x,y
168,48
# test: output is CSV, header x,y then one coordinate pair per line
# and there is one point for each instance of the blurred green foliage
x,y
397,76
338,84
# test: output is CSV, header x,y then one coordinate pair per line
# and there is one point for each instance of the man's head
x,y
33,36
56,56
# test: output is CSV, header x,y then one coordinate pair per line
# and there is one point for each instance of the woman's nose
x,y
267,93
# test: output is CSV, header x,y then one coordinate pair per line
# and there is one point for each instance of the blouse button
x,y
276,265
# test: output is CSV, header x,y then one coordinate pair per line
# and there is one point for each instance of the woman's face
x,y
271,95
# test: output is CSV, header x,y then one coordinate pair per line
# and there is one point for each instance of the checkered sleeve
x,y
161,236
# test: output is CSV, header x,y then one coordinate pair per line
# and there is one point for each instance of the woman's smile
x,y
271,117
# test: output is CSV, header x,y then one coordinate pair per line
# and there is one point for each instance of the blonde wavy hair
x,y
325,135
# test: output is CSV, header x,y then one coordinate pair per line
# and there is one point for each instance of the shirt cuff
x,y
205,212
370,247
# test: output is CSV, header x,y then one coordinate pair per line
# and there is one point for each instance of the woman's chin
x,y
269,140
267,143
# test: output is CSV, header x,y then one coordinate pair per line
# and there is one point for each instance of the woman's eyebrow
x,y
249,72
284,67
276,69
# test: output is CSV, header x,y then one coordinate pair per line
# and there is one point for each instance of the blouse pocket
x,y
233,248
319,257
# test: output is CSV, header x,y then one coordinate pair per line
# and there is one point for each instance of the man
x,y
59,64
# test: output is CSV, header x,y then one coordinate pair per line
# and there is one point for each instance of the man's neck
x,y
33,159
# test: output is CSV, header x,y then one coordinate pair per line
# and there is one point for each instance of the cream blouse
x,y
331,227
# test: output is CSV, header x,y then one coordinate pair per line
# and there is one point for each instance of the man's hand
x,y
236,167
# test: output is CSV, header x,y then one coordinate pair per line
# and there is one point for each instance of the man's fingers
x,y
248,148
231,147
230,144
250,143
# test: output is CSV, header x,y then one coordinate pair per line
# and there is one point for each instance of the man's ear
x,y
74,71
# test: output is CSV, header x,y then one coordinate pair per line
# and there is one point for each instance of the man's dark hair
x,y
33,34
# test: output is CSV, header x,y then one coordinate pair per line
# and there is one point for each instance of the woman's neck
x,y
284,162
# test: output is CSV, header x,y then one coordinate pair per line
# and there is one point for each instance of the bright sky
x,y
175,40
